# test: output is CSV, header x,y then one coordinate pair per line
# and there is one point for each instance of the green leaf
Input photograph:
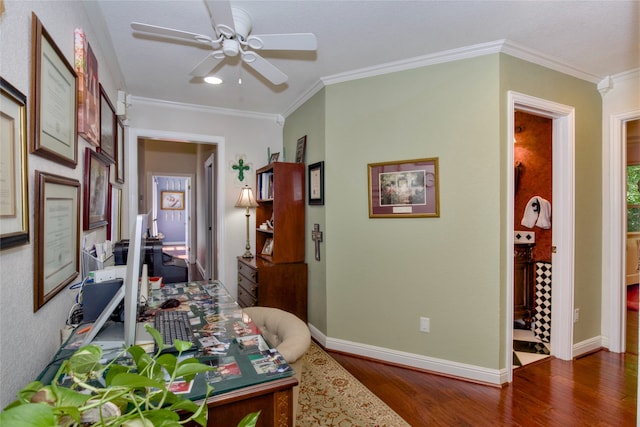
x,y
155,334
250,420
158,416
168,361
68,397
28,415
189,369
128,379
185,405
86,359
182,346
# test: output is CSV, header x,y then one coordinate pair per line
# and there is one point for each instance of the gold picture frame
x,y
57,235
96,190
404,189
267,249
14,194
54,100
172,200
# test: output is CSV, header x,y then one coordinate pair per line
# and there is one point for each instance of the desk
x,y
249,377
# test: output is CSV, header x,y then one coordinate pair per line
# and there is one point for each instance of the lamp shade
x,y
246,199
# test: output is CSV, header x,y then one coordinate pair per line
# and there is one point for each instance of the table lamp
x,y
246,200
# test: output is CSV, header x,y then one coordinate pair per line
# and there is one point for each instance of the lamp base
x,y
247,254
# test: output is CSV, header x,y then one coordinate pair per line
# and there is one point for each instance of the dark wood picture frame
x,y
14,191
404,189
107,127
54,100
96,190
119,152
316,183
57,235
301,148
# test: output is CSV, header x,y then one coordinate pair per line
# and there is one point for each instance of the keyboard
x,y
173,325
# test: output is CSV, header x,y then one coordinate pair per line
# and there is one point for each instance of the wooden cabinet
x,y
277,277
523,286
264,283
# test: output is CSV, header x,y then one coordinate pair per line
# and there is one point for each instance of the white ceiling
x,y
594,38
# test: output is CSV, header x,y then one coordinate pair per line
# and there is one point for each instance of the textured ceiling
x,y
595,38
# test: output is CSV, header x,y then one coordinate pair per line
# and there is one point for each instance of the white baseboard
x,y
438,366
587,346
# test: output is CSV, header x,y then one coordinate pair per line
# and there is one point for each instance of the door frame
x,y
617,215
133,135
211,267
563,217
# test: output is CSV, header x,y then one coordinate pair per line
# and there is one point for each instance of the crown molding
x,y
139,100
497,46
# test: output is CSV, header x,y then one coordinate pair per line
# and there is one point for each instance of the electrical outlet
x,y
576,315
424,324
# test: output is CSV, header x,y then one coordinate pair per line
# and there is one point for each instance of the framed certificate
x,y
54,100
57,235
316,184
14,196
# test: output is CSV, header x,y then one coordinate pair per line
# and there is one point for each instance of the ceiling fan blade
x,y
221,17
293,41
170,32
264,67
207,64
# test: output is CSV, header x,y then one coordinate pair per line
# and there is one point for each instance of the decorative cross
x,y
316,236
240,167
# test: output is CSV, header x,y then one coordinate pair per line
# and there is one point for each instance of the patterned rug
x,y
331,396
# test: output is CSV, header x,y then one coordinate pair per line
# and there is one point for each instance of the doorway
x,y
170,214
533,200
562,256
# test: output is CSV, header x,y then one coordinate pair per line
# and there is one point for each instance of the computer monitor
x,y
110,335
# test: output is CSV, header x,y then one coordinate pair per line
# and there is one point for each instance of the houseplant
x,y
115,394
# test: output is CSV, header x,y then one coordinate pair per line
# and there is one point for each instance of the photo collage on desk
x,y
217,321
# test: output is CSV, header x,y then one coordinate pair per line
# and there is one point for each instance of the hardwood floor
x,y
599,389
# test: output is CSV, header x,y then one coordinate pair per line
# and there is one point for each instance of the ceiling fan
x,y
233,37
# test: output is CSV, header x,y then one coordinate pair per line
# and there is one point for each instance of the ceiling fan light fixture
x,y
230,47
213,80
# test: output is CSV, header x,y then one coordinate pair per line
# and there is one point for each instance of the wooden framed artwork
x,y
54,100
404,189
115,212
119,152
14,195
57,235
86,66
172,200
316,183
96,190
267,249
301,147
107,127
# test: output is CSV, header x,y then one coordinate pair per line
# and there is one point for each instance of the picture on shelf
x,y
267,249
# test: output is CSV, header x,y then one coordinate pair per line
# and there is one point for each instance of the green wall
x,y
380,275
309,120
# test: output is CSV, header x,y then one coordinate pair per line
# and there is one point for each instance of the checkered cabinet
x,y
542,316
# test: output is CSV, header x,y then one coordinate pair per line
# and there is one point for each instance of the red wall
x,y
532,150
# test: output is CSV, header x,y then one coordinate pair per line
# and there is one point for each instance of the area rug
x,y
331,396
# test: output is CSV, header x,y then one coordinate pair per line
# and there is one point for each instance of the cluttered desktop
x,y
223,336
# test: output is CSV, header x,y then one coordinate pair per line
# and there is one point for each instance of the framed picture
x,y
119,152
57,235
14,195
54,100
316,183
107,127
172,200
115,213
96,190
267,249
301,147
86,66
404,189
274,157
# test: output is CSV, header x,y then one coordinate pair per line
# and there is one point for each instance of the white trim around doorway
x,y
563,237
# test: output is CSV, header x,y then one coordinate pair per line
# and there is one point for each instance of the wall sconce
x,y
246,200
